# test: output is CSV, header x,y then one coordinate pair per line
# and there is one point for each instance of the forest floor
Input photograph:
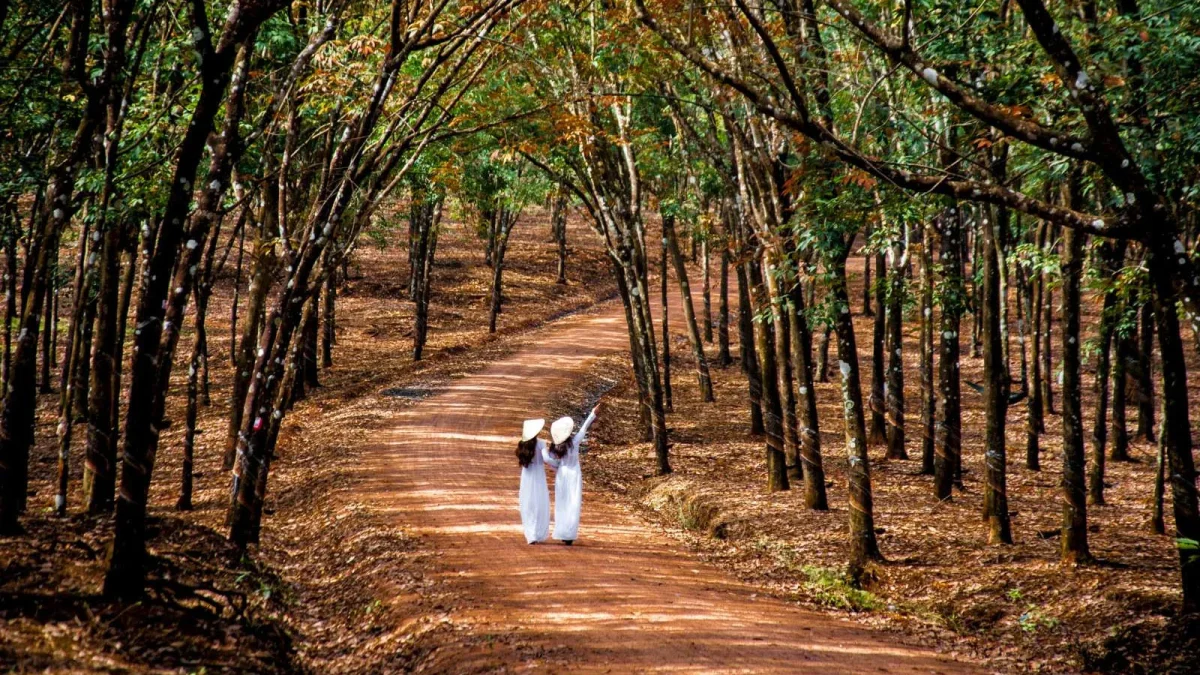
x,y
1012,607
306,600
390,541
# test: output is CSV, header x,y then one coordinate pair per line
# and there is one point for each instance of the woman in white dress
x,y
534,497
563,455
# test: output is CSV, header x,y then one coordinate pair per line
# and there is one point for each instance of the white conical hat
x,y
561,430
532,428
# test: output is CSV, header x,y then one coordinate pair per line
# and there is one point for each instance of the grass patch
x,y
832,587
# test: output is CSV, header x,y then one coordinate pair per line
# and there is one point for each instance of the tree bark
x,y
689,313
724,358
1145,426
928,394
666,334
1112,256
764,344
706,291
746,344
863,546
878,428
1074,519
995,389
895,350
949,429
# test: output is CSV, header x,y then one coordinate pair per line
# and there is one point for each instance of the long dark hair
x,y
559,450
525,451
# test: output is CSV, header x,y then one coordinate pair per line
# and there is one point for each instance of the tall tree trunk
x,y
426,250
1157,523
724,358
1175,422
809,436
10,295
1145,426
1120,377
506,221
894,394
47,335
1112,256
949,430
329,320
189,437
783,366
706,291
558,221
1031,335
666,334
233,308
764,344
256,300
1047,335
823,354
863,546
746,344
878,428
1074,518
867,290
689,313
995,389
928,394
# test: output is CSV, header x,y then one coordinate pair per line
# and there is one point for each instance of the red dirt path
x,y
624,598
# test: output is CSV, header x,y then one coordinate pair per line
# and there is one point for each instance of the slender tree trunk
x,y
867,290
666,334
427,249
10,298
949,430
724,358
233,309
928,394
1037,388
328,320
1112,256
189,438
689,313
764,343
878,427
809,436
1175,422
47,335
746,343
501,248
823,354
895,351
995,390
1145,426
787,394
1074,519
1047,352
1157,523
260,282
863,546
706,292
1120,432
558,219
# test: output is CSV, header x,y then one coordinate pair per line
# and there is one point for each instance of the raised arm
x,y
582,433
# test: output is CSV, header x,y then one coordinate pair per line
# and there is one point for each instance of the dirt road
x,y
624,598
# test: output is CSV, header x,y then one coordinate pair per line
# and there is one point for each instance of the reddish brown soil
x,y
624,598
1013,607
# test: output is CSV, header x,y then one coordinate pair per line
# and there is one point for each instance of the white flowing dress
x,y
534,497
568,486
